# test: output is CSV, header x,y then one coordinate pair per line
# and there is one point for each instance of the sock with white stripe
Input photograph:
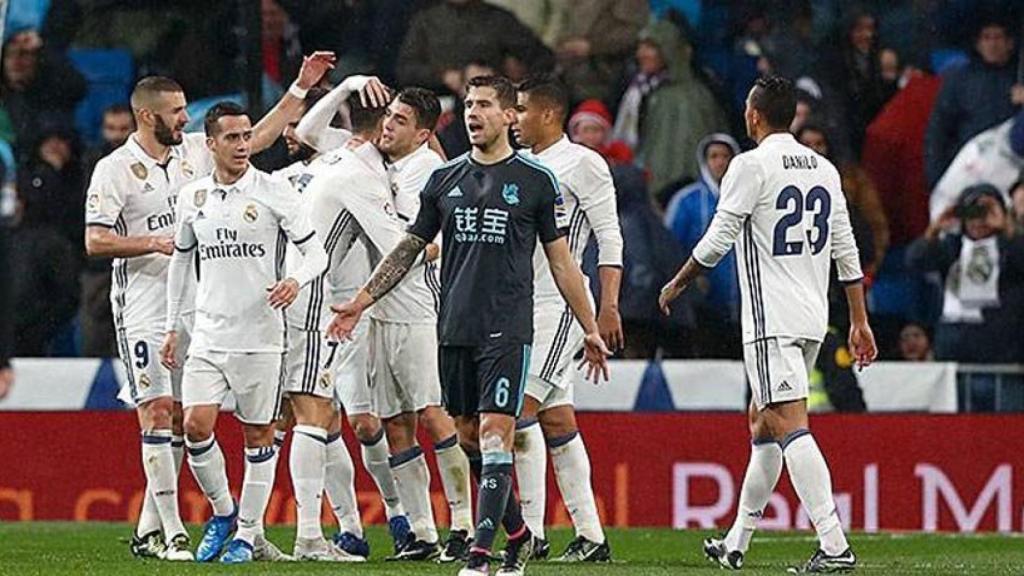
x,y
531,473
812,481
306,462
571,462
375,459
207,463
453,466
412,480
260,466
339,483
279,437
762,475
161,480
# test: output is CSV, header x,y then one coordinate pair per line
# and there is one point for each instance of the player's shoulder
x,y
447,171
530,166
426,159
119,159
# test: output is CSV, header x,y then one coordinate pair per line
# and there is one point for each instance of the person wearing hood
x,y
688,215
973,98
982,266
666,108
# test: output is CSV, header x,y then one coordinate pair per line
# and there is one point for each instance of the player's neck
x,y
492,154
224,177
151,146
546,142
770,132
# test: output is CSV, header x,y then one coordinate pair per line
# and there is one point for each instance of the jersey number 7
x,y
819,203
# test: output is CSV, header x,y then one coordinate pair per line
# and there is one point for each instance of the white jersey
x,y
783,207
417,298
134,195
308,311
589,205
240,232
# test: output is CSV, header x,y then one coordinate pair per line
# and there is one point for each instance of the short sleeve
x,y
549,226
741,187
105,199
428,220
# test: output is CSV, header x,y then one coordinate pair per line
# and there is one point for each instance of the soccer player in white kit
x,y
130,217
238,221
548,421
783,207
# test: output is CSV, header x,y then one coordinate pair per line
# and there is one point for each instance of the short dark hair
x,y
549,90
363,118
774,97
425,103
149,87
218,111
501,85
119,108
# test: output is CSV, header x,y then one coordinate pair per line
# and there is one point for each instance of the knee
x,y
558,423
197,429
366,427
158,413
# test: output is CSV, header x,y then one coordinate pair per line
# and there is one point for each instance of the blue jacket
x,y
688,216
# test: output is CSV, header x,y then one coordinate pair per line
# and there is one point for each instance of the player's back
x,y
792,200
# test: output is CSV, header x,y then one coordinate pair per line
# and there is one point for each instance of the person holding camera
x,y
972,246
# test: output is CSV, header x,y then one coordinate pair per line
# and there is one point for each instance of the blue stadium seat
x,y
946,59
110,74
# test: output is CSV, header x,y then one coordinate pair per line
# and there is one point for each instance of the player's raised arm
x,y
102,211
266,131
315,127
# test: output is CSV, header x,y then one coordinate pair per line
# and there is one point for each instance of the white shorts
x,y
351,368
145,378
403,367
308,363
778,369
557,339
255,379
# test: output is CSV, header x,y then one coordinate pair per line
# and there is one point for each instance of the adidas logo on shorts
x,y
785,387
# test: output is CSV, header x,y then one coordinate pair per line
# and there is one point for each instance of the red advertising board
x,y
890,472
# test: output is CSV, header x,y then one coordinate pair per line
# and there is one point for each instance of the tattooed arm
x,y
388,274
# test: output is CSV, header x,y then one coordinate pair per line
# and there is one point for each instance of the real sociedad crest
x,y
510,192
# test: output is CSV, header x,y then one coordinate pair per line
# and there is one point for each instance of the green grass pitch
x,y
58,549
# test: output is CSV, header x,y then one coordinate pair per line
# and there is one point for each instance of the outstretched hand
x,y
346,317
595,357
314,67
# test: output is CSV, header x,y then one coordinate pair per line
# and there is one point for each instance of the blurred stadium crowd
x,y
918,102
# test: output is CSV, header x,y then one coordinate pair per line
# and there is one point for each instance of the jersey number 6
x,y
792,199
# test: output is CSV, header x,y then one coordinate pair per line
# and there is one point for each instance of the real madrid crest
x,y
250,215
325,380
139,169
186,169
200,198
144,380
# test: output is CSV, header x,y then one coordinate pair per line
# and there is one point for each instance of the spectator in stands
x,y
1017,206
38,86
851,72
281,50
860,193
591,126
688,215
95,316
51,182
6,297
444,38
543,17
451,127
916,343
982,265
667,109
973,98
595,42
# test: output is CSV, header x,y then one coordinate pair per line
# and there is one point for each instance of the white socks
x,y
412,479
572,470
307,462
207,463
531,473
762,475
813,484
339,483
260,466
158,462
375,459
453,466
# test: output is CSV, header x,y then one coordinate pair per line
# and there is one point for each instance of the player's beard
x,y
164,134
305,152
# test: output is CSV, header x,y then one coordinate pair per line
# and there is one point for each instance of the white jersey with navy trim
x,y
240,232
134,195
783,207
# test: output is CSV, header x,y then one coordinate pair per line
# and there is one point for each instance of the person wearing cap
x,y
591,126
981,261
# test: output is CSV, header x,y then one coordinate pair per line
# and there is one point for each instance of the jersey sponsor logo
x,y
200,198
490,227
455,192
510,193
139,170
158,221
250,214
230,247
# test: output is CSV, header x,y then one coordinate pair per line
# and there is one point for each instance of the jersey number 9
x,y
819,203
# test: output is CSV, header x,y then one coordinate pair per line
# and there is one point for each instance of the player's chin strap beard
x,y
395,266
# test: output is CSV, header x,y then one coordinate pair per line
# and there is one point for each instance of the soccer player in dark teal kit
x,y
491,206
